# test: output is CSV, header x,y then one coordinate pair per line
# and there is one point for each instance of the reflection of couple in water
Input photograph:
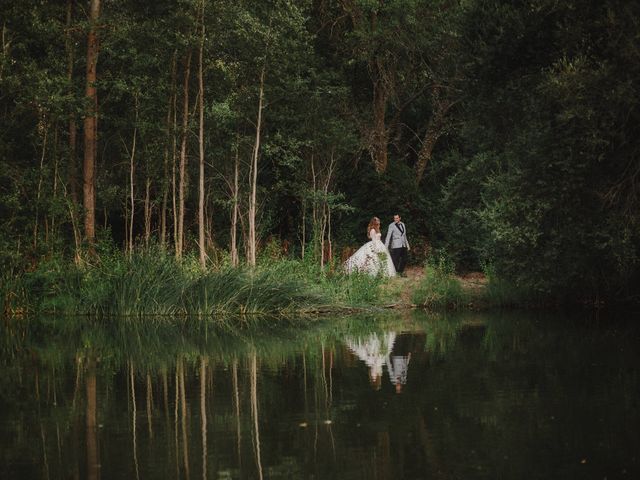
x,y
386,349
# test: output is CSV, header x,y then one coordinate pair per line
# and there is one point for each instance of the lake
x,y
388,396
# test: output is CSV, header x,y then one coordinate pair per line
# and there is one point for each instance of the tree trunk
x,y
183,159
134,419
303,240
56,174
91,423
147,213
91,127
174,156
5,48
327,205
236,403
251,253
254,413
435,129
208,215
183,417
165,197
166,180
314,210
235,260
72,166
203,414
426,150
380,134
44,128
132,202
201,225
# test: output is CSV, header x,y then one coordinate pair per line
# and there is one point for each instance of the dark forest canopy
x,y
506,133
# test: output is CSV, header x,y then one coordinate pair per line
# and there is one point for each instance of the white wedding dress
x,y
373,350
372,258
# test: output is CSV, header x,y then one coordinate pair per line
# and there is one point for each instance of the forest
x,y
225,133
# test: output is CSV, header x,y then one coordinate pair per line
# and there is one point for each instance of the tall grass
x,y
158,285
154,283
13,296
439,288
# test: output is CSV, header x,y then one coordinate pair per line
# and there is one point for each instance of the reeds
x,y
155,284
158,285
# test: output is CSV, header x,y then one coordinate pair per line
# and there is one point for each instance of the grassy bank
x,y
438,287
154,283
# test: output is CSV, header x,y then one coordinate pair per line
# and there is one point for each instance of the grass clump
x,y
159,285
439,288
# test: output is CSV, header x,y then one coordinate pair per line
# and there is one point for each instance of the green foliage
x,y
535,179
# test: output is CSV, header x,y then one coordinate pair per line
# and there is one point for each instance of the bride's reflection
x,y
388,349
374,350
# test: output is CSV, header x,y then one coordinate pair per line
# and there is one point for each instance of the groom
x,y
397,243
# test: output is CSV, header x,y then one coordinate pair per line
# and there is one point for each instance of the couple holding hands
x,y
374,257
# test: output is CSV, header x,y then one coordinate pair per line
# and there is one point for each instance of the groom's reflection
x,y
398,361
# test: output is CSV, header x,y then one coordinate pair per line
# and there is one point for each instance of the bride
x,y
373,257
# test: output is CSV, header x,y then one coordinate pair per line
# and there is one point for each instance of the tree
x,y
91,125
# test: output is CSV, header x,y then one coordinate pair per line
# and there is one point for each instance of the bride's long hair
x,y
375,224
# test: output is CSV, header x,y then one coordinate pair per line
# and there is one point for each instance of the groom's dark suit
x,y
397,244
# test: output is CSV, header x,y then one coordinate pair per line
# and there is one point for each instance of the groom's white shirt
x,y
396,237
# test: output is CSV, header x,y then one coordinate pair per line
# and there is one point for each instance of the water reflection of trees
x,y
186,400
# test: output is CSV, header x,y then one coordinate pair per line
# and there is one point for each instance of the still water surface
x,y
499,396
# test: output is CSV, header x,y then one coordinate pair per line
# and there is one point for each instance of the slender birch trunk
x,y
236,404
166,180
183,401
304,227
91,126
147,213
134,420
327,184
208,215
149,406
183,160
201,225
132,202
45,129
55,176
174,152
165,197
314,208
254,412
203,414
251,253
235,260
